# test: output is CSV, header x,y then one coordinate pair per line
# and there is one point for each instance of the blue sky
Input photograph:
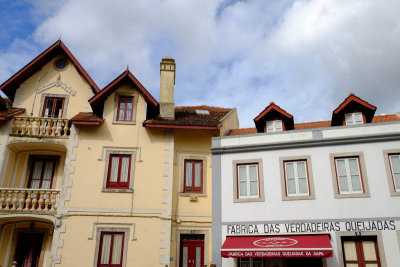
x,y
306,56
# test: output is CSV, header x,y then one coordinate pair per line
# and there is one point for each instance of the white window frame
x,y
274,128
296,178
353,118
247,166
348,175
392,171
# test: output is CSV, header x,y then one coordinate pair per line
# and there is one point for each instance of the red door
x,y
192,253
28,250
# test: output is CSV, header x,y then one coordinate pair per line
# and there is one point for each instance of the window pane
x,y
242,189
117,249
125,169
105,249
395,160
349,118
270,126
198,256
397,180
189,173
356,183
197,174
37,172
350,251
301,169
253,188
278,125
242,173
303,186
341,167
114,169
291,186
353,164
369,250
352,265
121,109
253,172
371,265
185,257
49,108
48,174
359,118
343,185
58,109
289,170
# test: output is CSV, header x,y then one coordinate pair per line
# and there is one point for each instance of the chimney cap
x,y
168,59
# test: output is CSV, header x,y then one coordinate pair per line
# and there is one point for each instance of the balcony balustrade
x,y
40,127
28,200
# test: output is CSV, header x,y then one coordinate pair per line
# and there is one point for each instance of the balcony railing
x,y
40,127
28,200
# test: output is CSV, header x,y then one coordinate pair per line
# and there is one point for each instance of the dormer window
x,y
354,118
274,126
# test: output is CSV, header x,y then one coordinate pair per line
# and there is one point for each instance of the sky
x,y
306,56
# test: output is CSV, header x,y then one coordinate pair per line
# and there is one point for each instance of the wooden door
x,y
192,253
28,250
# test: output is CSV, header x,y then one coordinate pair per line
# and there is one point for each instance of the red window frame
x,y
47,98
359,169
44,159
125,108
111,249
118,184
308,176
360,251
193,189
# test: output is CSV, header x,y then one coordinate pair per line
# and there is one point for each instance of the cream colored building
x,y
107,177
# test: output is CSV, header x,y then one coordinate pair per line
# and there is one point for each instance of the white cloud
x,y
307,56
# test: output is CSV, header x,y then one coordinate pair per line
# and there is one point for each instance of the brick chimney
x,y
167,82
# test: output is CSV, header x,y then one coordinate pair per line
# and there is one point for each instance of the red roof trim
x,y
10,116
5,86
91,123
110,88
269,108
354,98
180,127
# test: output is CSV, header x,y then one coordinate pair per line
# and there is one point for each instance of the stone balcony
x,y
40,127
23,200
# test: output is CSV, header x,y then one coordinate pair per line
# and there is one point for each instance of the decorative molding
x,y
97,225
122,148
57,83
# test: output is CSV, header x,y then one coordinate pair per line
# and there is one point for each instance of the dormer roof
x,y
273,112
10,86
98,99
352,104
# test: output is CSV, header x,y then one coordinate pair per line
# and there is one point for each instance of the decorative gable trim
x,y
57,83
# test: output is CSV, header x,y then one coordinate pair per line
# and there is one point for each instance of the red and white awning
x,y
310,246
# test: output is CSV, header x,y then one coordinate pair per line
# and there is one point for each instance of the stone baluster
x,y
15,125
14,264
42,126
28,201
23,127
53,127
47,201
41,201
8,200
53,201
48,127
21,201
35,126
59,127
2,198
66,129
14,199
34,200
29,127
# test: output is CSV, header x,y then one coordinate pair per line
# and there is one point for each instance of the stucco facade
x,y
78,167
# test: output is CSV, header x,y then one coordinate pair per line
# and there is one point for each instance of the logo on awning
x,y
275,242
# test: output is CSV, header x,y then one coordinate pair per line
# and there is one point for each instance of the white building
x,y
310,194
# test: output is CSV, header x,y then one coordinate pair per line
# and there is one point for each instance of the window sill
x,y
288,198
356,195
243,200
184,194
124,122
116,190
395,194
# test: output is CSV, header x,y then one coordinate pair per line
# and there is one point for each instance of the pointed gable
x,y
97,101
10,86
350,105
273,112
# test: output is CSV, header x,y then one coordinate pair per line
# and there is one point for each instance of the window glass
x,y
248,180
119,171
360,251
53,107
354,118
296,178
395,166
348,175
274,126
125,108
111,249
193,176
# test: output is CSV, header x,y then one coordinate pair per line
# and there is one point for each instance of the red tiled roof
x,y
10,113
9,86
316,124
86,118
186,117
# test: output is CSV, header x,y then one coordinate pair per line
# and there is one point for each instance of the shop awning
x,y
314,246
